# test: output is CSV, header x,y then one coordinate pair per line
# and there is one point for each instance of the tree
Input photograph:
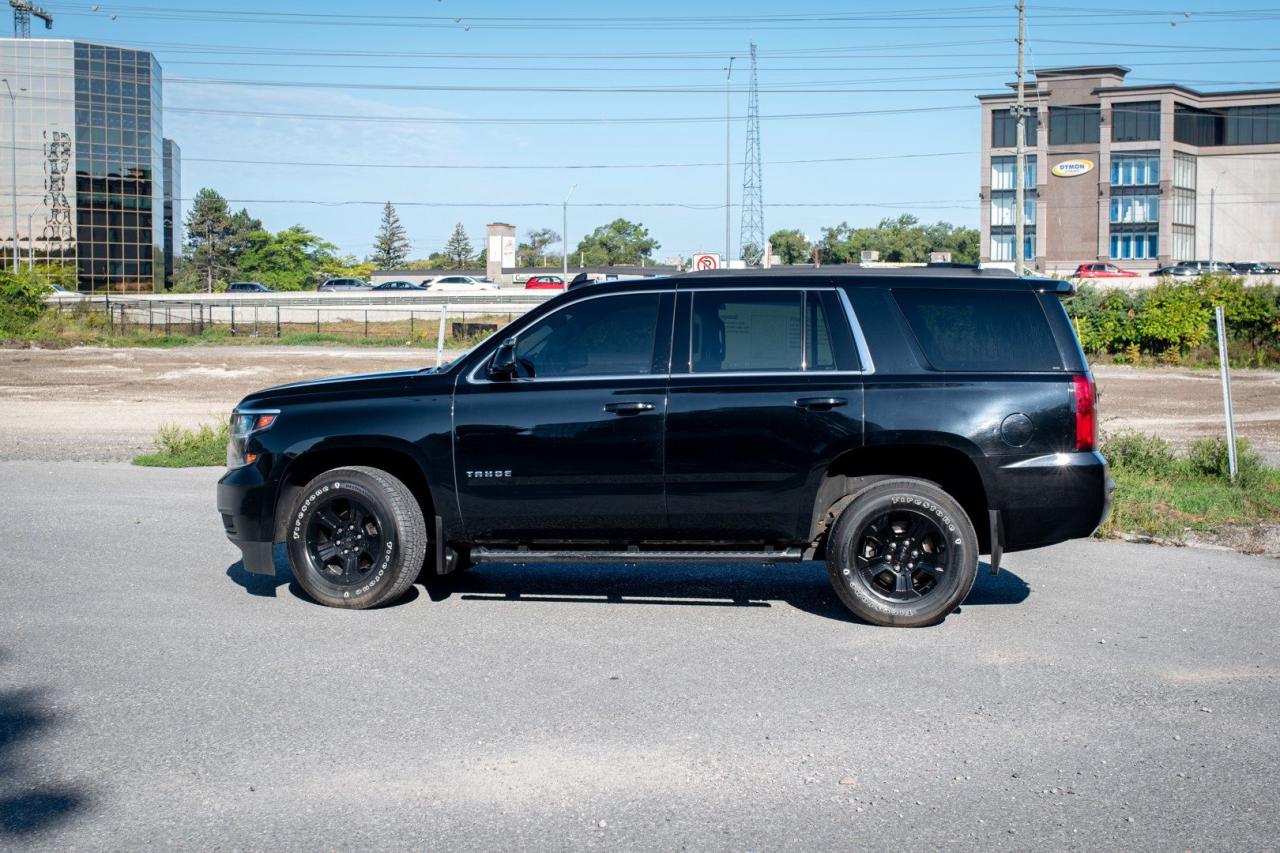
x,y
790,245
207,254
391,246
458,250
619,242
293,259
536,248
898,240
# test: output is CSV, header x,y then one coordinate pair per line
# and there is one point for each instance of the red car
x,y
1102,271
545,282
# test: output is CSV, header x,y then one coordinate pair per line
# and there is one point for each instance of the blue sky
x,y
921,60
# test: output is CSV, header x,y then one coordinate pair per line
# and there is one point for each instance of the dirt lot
x,y
105,404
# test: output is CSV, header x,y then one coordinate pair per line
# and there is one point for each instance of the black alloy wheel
x,y
901,555
344,540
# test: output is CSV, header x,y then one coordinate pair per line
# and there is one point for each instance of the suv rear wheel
x,y
902,553
356,538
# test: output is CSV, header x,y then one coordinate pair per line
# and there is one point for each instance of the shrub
x,y
1140,452
22,301
1173,316
1208,457
183,447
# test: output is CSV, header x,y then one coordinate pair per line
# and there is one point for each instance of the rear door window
x,y
746,331
980,330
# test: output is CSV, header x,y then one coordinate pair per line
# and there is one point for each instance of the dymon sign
x,y
1071,168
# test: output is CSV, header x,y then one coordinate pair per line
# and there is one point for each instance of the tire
x,y
903,553
356,537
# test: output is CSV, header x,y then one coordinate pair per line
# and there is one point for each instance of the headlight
x,y
244,424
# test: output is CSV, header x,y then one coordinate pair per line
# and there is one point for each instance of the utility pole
x,y
1212,192
1020,160
564,230
728,73
31,243
13,163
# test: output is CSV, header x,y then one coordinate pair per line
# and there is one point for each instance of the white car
x,y
460,284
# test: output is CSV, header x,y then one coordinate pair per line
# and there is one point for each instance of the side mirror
x,y
503,365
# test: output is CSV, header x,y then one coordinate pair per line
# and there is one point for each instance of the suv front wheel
x,y
902,553
356,537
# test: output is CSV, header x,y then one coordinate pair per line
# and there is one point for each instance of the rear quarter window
x,y
980,330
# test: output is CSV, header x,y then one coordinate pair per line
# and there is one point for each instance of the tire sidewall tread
x,y
409,536
875,499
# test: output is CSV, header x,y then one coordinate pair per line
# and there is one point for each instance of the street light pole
x,y
31,242
13,163
728,72
564,238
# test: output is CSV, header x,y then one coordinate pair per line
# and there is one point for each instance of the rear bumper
x,y
245,504
1052,498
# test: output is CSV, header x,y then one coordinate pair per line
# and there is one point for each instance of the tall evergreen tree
x,y
459,250
391,246
207,256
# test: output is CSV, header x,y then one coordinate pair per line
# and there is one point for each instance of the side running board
x,y
540,555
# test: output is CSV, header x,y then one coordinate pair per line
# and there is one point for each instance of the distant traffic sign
x,y
709,261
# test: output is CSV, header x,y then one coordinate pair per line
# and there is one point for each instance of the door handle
x,y
633,407
821,403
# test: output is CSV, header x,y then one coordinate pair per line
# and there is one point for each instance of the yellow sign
x,y
1072,168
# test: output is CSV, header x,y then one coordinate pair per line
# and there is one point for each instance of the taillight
x,y
1085,403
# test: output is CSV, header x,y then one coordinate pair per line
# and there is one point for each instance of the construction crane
x,y
22,13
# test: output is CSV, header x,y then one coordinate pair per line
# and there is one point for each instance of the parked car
x,y
1254,268
1178,271
724,417
1101,270
398,285
545,282
332,284
59,290
1210,266
461,284
247,287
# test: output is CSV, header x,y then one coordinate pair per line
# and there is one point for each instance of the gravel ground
x,y
105,404
1095,695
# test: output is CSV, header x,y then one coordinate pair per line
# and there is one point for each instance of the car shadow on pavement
x,y
801,585
29,803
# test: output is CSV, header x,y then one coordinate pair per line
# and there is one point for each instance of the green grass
x,y
1164,495
183,447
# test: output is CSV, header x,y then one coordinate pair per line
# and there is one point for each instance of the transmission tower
x,y
751,238
22,12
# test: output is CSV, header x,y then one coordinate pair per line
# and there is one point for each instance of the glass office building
x,y
90,150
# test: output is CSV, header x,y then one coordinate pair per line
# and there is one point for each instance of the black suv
x,y
895,423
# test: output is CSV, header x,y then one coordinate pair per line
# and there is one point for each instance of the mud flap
x,y
258,557
997,539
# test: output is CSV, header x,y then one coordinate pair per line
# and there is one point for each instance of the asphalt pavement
x,y
154,695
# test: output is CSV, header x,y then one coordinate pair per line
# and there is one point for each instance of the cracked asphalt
x,y
154,695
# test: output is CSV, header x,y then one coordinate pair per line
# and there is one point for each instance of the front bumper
x,y
246,504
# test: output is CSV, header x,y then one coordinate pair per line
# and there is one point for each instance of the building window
x,y
1134,245
1076,125
1004,128
1002,243
1135,208
1184,242
1135,122
1002,206
1135,170
1258,125
1198,127
1004,168
1184,170
1184,206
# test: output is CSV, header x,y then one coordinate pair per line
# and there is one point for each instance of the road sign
x,y
709,261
